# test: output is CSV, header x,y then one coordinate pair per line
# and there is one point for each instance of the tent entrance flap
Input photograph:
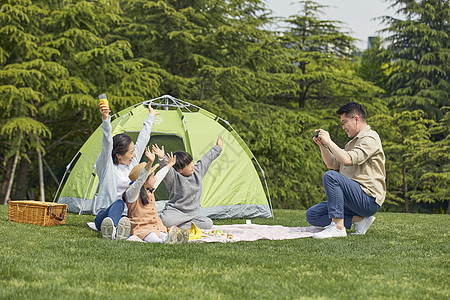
x,y
171,143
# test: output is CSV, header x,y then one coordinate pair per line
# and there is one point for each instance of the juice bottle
x,y
103,99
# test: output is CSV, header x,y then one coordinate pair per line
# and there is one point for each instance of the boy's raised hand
x,y
159,152
171,159
150,155
220,142
152,111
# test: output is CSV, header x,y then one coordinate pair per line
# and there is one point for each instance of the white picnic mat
x,y
247,232
253,232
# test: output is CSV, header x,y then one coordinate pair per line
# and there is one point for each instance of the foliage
x,y
321,69
73,262
204,50
432,165
373,66
419,50
281,141
274,87
417,165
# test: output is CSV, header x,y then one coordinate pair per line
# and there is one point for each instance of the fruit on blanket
x,y
195,233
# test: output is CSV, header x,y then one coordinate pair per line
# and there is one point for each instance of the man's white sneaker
x,y
362,226
123,228
107,229
330,231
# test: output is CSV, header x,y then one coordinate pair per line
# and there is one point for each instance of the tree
x,y
321,69
432,166
24,67
373,66
420,55
55,57
204,49
417,165
281,140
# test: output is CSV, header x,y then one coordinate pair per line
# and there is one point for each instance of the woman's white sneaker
x,y
123,228
330,231
107,229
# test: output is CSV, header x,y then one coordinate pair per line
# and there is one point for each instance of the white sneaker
x,y
171,237
134,238
183,236
123,228
362,226
107,229
330,231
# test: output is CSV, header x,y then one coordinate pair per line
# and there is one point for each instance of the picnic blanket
x,y
248,232
252,232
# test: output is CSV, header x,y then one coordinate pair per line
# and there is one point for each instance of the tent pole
x,y
65,173
85,194
265,182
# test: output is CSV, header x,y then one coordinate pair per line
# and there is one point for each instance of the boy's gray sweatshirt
x,y
185,192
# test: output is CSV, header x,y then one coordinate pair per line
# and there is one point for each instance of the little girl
x,y
140,200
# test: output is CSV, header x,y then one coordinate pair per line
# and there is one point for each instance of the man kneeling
x,y
356,192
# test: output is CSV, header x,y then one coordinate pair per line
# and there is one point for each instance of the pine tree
x,y
24,68
420,55
432,167
203,50
322,63
55,57
417,159
373,66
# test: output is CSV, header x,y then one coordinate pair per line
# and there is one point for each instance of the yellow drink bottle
x,y
103,99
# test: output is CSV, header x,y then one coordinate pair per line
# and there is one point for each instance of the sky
x,y
357,15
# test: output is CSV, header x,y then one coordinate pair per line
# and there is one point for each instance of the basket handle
x,y
54,216
24,207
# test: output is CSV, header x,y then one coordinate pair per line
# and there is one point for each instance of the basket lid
x,y
34,202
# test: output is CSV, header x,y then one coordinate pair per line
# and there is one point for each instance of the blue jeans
x,y
114,211
345,199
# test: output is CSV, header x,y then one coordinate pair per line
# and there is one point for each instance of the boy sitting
x,y
184,182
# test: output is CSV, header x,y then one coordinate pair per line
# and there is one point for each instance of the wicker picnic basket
x,y
36,212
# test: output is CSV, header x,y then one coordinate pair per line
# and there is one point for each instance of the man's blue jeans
x,y
345,199
114,211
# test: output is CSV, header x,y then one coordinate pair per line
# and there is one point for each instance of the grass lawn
x,y
403,256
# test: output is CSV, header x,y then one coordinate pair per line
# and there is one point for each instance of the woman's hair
x,y
183,159
121,142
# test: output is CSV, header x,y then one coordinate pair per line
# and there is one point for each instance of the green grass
x,y
403,256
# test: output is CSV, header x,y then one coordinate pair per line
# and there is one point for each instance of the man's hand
x,y
323,138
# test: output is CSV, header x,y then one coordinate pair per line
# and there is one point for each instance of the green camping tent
x,y
232,187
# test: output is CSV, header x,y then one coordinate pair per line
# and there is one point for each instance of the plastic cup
x,y
103,99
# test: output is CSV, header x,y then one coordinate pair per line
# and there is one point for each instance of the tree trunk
x,y
20,192
405,188
11,178
41,176
6,181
